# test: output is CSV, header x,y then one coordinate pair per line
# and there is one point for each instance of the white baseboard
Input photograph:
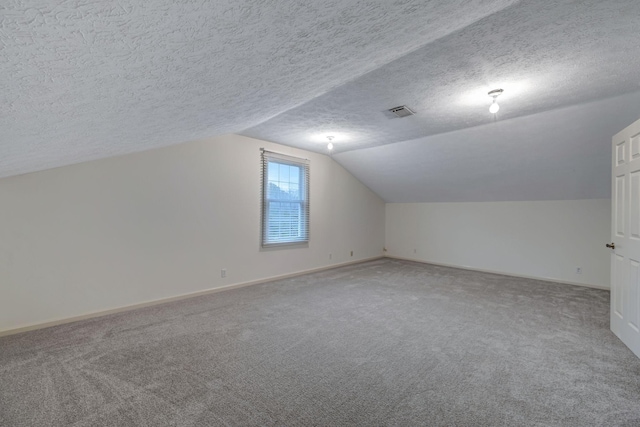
x,y
483,270
91,315
100,313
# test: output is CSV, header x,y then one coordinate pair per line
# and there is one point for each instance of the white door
x,y
625,237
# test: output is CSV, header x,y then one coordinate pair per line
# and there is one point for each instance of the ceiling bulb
x,y
330,144
494,107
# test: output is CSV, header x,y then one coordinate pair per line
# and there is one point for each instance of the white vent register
x,y
402,111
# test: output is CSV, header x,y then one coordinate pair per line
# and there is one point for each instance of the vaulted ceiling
x,y
562,154
544,54
84,80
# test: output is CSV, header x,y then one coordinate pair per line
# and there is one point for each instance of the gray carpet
x,y
380,343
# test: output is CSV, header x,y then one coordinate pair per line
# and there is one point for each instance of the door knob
x,y
611,245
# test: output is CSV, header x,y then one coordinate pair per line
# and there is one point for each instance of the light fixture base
x,y
330,144
495,93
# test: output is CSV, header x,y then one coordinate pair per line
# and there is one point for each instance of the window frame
x,y
304,181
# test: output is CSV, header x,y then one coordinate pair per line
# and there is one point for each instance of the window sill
x,y
278,246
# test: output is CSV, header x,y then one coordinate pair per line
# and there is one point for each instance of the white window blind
x,y
285,199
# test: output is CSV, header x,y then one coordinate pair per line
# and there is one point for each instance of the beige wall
x,y
126,230
116,232
544,239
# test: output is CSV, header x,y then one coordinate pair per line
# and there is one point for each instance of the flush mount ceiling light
x,y
330,144
494,105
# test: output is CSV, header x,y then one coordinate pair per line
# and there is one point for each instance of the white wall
x,y
542,239
126,230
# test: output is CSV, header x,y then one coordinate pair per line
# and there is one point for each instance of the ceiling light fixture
x,y
494,105
330,144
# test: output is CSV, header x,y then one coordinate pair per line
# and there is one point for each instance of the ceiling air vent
x,y
402,111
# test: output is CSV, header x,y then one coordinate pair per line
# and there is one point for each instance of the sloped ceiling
x,y
544,54
563,154
86,79
83,80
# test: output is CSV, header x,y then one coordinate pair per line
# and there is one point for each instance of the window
x,y
285,200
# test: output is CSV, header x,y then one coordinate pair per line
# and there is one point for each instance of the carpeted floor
x,y
380,343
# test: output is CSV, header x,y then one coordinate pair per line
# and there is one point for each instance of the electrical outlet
x,y
329,256
415,250
351,253
223,273
578,270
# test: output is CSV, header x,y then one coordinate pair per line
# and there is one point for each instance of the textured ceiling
x,y
545,54
83,79
563,154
